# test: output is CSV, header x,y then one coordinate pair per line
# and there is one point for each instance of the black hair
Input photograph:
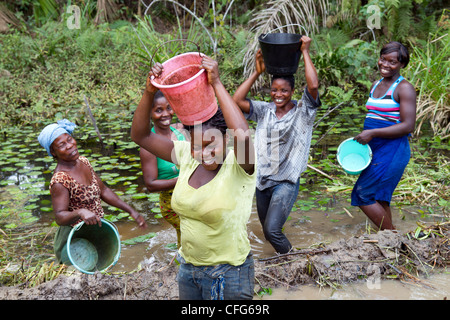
x,y
217,121
288,78
158,94
402,51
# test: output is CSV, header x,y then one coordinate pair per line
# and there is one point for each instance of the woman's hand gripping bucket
x,y
92,248
185,85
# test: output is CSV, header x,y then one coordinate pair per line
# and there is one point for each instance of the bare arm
x,y
312,80
111,198
233,117
64,217
140,129
242,91
149,164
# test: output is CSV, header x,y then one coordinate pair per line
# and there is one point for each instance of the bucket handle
x,y
185,40
80,224
286,25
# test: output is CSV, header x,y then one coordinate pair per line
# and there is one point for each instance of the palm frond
x,y
7,17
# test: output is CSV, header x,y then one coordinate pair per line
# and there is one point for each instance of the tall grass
x,y
217,15
429,72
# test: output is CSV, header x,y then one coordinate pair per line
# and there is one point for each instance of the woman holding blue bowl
x,y
390,118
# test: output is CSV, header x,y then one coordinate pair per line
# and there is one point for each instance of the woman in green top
x,y
161,175
213,195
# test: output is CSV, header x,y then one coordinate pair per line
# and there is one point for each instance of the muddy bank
x,y
364,258
154,282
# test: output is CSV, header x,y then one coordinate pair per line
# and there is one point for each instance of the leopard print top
x,y
80,195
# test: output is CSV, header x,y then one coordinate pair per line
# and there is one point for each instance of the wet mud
x,y
408,257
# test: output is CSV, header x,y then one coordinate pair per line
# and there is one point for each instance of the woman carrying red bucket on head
x,y
213,195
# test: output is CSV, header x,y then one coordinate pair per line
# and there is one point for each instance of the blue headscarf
x,y
53,131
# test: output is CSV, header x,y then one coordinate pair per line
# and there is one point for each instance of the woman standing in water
x,y
391,117
213,195
282,138
160,175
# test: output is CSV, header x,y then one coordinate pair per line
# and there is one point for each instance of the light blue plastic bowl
x,y
353,156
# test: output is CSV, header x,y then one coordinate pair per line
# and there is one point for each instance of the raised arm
x,y
140,129
241,93
233,117
312,80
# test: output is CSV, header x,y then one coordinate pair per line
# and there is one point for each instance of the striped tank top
x,y
385,107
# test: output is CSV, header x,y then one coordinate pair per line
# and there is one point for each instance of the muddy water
x,y
304,229
385,290
22,180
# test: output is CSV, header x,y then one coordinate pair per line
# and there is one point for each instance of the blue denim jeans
x,y
221,282
274,205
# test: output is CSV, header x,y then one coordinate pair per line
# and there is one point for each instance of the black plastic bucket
x,y
281,52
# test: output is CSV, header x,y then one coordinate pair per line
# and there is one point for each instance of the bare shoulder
x,y
405,87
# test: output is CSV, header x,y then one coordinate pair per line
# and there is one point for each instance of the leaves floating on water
x,y
139,239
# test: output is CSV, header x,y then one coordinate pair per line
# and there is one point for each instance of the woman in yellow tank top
x,y
213,195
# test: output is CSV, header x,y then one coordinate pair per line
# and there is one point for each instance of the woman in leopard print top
x,y
76,190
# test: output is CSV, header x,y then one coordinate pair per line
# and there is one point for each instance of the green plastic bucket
x,y
91,248
353,156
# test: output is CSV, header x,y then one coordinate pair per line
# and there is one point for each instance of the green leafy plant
x,y
429,72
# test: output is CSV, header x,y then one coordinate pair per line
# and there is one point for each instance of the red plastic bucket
x,y
186,88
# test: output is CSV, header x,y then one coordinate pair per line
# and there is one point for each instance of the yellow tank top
x,y
213,217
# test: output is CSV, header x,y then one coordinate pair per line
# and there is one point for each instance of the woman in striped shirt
x,y
391,117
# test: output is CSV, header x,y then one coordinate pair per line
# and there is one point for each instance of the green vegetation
x,y
46,69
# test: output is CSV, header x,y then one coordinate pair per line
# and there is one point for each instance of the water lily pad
x,y
139,196
31,206
139,239
30,219
153,197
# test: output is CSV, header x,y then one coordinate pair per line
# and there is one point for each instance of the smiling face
x,y
208,146
65,148
281,92
389,65
162,113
